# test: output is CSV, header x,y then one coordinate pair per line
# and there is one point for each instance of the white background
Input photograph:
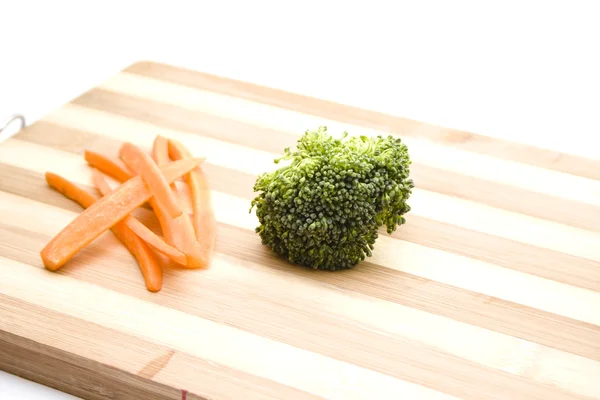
x,y
521,70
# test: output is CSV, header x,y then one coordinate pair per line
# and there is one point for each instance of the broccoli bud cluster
x,y
324,209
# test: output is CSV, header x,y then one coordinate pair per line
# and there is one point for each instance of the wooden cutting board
x,y
490,291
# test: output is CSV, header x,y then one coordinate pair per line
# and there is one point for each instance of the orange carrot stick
x,y
149,266
178,231
133,164
159,244
184,239
203,217
160,151
107,166
138,228
70,190
147,261
160,154
150,173
104,214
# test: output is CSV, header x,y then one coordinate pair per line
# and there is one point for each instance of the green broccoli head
x,y
324,209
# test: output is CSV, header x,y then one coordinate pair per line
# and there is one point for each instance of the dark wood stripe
x,y
521,257
369,279
90,379
78,376
353,343
563,162
507,197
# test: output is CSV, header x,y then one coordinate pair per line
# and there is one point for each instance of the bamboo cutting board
x,y
490,291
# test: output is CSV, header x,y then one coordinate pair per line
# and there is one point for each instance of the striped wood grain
x,y
491,290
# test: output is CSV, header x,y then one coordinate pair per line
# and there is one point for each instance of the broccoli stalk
x,y
324,209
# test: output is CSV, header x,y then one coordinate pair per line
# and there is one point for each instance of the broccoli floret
x,y
324,209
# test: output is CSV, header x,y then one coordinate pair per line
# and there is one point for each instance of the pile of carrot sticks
x,y
187,239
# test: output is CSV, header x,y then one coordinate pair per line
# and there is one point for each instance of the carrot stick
x,y
70,190
203,217
184,239
150,173
149,266
133,164
178,231
159,244
160,154
104,214
160,151
138,228
109,167
146,260
106,165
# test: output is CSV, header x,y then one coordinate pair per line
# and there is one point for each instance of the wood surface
x,y
490,291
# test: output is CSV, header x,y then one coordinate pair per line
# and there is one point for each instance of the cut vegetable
x,y
150,173
140,229
160,154
184,239
133,163
107,166
203,217
156,242
160,151
189,238
105,213
178,231
147,261
70,190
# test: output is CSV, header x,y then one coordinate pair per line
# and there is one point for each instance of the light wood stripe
x,y
507,253
105,346
443,157
466,214
522,322
522,153
395,320
541,262
504,196
493,221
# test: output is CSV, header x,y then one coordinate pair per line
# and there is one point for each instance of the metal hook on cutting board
x,y
10,120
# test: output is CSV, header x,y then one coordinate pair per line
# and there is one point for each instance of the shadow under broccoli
x,y
324,209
